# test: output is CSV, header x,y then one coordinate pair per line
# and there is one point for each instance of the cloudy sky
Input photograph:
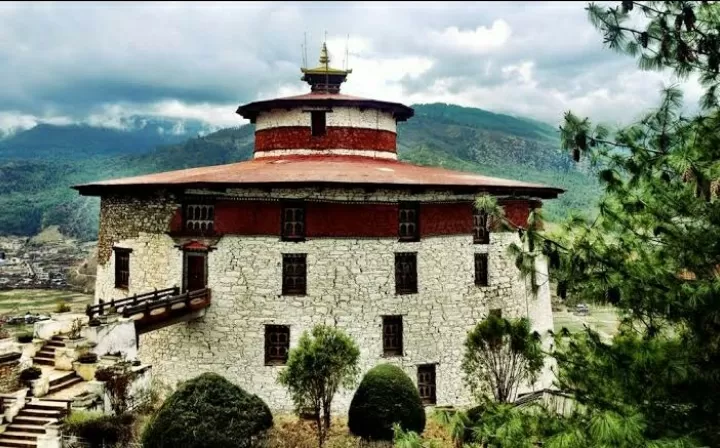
x,y
99,63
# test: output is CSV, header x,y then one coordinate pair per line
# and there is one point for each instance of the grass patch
x,y
42,301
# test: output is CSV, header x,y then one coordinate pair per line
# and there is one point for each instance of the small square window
x,y
426,383
318,123
481,269
122,267
199,218
406,273
481,230
293,222
408,221
277,344
392,336
294,274
497,312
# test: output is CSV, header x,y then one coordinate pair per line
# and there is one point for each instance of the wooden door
x,y
195,271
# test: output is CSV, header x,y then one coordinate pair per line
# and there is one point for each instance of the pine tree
x,y
653,251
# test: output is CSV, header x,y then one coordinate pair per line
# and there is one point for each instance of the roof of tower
x,y
338,171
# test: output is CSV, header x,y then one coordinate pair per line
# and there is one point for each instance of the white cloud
x,y
478,41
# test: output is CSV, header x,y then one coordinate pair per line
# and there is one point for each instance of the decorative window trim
x,y
481,227
204,224
271,359
120,282
292,207
287,288
409,221
482,269
427,383
392,328
410,287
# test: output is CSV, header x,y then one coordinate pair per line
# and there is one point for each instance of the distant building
x,y
323,225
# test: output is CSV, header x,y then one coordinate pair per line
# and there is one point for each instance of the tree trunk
x,y
319,424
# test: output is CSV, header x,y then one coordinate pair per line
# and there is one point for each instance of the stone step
x,y
65,384
59,338
37,429
63,378
44,361
10,443
17,435
32,420
46,413
46,404
44,353
54,343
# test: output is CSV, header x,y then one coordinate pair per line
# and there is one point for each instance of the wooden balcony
x,y
156,309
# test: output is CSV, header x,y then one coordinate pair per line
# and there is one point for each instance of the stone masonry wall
x,y
350,284
10,373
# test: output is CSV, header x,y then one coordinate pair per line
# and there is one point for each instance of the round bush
x,y
209,411
88,358
24,338
31,373
385,396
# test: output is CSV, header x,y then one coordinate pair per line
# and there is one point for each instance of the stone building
x,y
323,225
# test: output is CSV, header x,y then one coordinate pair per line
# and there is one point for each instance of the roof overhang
x,y
250,111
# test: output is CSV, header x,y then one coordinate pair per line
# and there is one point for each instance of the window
x,y
481,231
199,218
392,336
194,271
408,228
293,222
406,273
317,123
277,344
481,269
426,383
122,267
294,274
497,312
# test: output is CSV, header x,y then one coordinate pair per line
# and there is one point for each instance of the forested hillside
x,y
36,177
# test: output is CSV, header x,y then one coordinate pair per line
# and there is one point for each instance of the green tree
x,y
653,249
323,361
501,354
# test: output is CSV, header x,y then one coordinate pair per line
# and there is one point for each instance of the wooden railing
x,y
138,299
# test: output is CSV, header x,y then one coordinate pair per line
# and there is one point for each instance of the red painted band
x,y
335,138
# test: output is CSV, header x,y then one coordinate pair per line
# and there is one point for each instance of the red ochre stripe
x,y
336,138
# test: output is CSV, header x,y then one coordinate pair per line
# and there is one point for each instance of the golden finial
x,y
324,58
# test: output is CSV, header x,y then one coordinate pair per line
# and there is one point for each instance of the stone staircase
x,y
46,355
29,423
63,382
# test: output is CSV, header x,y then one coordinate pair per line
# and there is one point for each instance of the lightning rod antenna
x,y
347,52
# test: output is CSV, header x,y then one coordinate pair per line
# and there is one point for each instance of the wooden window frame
x,y
481,227
427,389
271,329
482,269
318,123
287,289
288,207
405,208
121,283
193,253
392,328
209,222
401,288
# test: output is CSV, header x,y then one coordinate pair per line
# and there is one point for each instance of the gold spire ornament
x,y
324,78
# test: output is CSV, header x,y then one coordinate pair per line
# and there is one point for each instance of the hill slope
x,y
35,193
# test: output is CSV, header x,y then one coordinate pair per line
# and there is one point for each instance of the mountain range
x,y
38,166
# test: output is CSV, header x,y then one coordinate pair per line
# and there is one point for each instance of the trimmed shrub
x,y
99,430
24,338
88,358
31,373
62,307
385,396
209,411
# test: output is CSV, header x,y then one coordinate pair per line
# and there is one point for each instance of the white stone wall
x,y
339,117
351,284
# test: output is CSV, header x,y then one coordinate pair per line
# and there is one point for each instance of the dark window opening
x,y
122,267
406,273
199,218
497,312
294,274
293,222
408,221
194,271
277,344
481,269
318,123
392,336
426,383
481,229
